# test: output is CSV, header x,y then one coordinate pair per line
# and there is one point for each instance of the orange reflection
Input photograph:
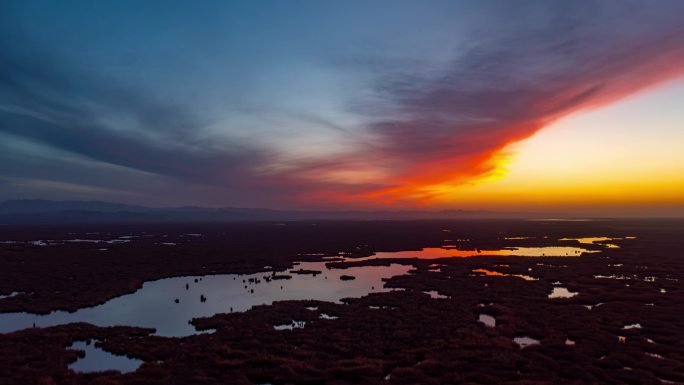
x,y
499,274
437,252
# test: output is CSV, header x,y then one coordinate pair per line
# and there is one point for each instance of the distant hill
x,y
47,211
25,206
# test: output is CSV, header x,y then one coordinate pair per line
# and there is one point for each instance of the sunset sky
x,y
534,106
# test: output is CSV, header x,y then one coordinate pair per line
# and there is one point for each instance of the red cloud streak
x,y
501,93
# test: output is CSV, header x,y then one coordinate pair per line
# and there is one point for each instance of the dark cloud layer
x,y
44,100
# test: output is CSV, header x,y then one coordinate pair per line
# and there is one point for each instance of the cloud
x,y
43,99
512,69
528,67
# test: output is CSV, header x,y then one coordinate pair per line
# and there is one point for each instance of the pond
x,y
97,360
168,304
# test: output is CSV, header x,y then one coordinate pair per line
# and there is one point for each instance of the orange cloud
x,y
435,146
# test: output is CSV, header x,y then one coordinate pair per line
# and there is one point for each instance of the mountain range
x,y
48,211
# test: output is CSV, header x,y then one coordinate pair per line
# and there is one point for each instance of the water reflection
x,y
493,273
98,360
488,320
10,295
598,240
590,307
168,304
524,342
434,294
154,305
562,292
291,326
453,251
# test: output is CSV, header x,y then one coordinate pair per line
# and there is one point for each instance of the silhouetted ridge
x,y
47,211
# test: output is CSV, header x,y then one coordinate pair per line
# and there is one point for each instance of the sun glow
x,y
602,157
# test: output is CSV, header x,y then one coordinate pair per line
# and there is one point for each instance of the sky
x,y
539,106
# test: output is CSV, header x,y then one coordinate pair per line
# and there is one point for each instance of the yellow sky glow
x,y
624,154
